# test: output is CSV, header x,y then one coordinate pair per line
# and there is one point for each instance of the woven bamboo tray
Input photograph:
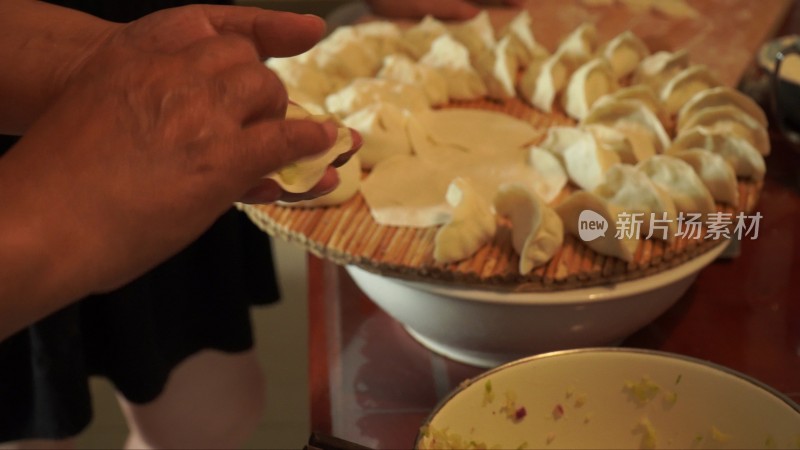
x,y
347,234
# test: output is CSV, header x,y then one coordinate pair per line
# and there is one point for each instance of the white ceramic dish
x,y
614,398
486,328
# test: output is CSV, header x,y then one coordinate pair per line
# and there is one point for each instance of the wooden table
x,y
371,383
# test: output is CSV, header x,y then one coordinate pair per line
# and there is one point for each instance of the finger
x,y
215,53
267,146
268,191
273,33
252,92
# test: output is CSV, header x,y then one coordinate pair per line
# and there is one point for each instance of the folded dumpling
x,y
718,176
615,140
587,161
382,127
382,37
732,120
399,67
301,176
363,92
304,80
656,69
343,54
476,34
452,60
589,82
634,192
738,152
685,84
498,68
624,53
607,243
349,183
580,44
644,94
471,225
544,79
537,232
523,45
634,119
679,179
416,41
721,96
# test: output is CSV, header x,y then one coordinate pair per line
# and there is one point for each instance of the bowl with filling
x,y
612,398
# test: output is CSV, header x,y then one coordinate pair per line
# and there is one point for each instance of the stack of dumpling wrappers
x,y
482,147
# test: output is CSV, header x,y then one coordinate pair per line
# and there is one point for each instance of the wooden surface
x,y
726,37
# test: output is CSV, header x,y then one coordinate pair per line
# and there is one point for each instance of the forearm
x,y
40,46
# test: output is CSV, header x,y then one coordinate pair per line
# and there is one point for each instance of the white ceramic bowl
x,y
486,328
614,398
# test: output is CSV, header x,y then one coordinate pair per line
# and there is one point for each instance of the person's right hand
x,y
165,124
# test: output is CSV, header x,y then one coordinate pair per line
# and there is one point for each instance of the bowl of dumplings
x,y
489,149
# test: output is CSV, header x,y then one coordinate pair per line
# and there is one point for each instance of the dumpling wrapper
x,y
680,181
632,118
382,127
738,152
656,69
635,193
401,68
363,92
471,225
302,175
731,120
718,176
589,82
537,232
453,61
721,96
685,84
624,53
349,183
570,210
523,45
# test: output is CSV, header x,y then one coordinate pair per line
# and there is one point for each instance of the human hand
x,y
441,9
166,123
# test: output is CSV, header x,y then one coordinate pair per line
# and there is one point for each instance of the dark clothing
x,y
135,336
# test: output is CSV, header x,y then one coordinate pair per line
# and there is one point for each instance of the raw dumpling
x,y
684,85
618,142
558,139
721,96
679,179
624,53
401,68
301,176
417,40
635,193
716,173
579,45
452,60
383,129
471,225
656,69
523,45
644,94
635,120
498,68
476,34
349,182
570,212
731,120
343,54
382,37
303,79
536,230
363,92
739,153
590,81
587,162
544,79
